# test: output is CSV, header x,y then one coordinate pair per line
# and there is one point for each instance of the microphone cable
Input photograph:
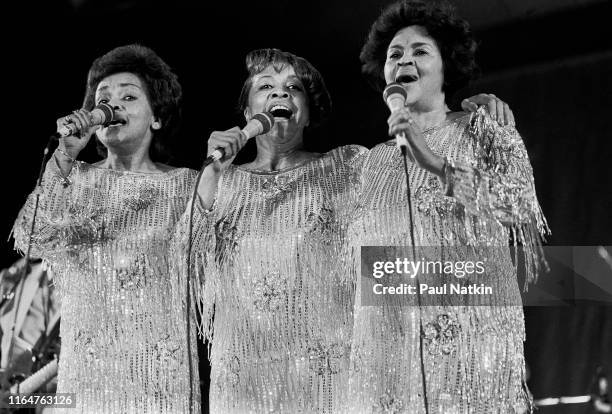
x,y
194,195
416,277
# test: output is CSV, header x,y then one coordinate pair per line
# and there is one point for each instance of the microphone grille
x,y
266,119
107,110
392,89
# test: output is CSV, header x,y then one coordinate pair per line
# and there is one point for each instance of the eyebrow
x,y
416,44
122,85
292,77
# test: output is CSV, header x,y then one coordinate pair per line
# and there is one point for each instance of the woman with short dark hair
x,y
104,228
270,232
163,90
472,191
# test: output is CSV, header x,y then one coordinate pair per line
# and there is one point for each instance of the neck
x,y
430,114
123,160
273,155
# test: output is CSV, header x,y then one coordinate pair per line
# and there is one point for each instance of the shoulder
x,y
348,153
186,175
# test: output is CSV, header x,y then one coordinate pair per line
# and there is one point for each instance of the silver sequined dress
x,y
472,355
106,236
275,277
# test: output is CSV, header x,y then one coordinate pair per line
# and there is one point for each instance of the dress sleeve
x,y
200,263
355,157
54,224
498,184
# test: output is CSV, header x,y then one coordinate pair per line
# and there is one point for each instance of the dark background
x,y
550,60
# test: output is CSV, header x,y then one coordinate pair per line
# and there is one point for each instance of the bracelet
x,y
205,211
447,173
65,154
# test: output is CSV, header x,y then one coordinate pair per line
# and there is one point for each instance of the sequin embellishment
x,y
441,334
326,359
167,350
145,195
130,271
320,224
88,347
232,370
429,198
269,291
387,404
276,186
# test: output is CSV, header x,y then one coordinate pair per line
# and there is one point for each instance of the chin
x,y
109,140
413,96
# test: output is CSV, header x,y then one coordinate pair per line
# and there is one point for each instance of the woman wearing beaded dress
x,y
267,236
472,190
104,228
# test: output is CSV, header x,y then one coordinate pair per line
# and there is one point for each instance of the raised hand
x,y
498,109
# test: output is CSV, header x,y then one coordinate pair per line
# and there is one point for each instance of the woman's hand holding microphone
x,y
70,146
401,122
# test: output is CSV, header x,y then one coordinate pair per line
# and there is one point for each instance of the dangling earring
x,y
155,125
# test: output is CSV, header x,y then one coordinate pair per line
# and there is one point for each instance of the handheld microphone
x,y
259,124
395,97
102,114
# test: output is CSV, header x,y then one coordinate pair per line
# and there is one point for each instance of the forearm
x,y
208,187
63,160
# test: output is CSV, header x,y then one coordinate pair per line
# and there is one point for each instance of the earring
x,y
155,125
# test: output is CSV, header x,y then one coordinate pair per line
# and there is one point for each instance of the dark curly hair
x,y
161,86
451,33
319,100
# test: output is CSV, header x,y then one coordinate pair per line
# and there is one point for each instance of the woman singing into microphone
x,y
269,233
105,228
472,191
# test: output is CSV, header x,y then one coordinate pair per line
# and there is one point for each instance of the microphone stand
x,y
26,268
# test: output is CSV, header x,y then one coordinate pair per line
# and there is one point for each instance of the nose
x,y
406,61
116,104
280,93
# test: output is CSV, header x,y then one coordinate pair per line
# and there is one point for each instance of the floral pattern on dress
x,y
145,195
275,187
269,292
388,404
130,271
226,245
326,358
430,199
441,334
320,224
168,351
86,344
